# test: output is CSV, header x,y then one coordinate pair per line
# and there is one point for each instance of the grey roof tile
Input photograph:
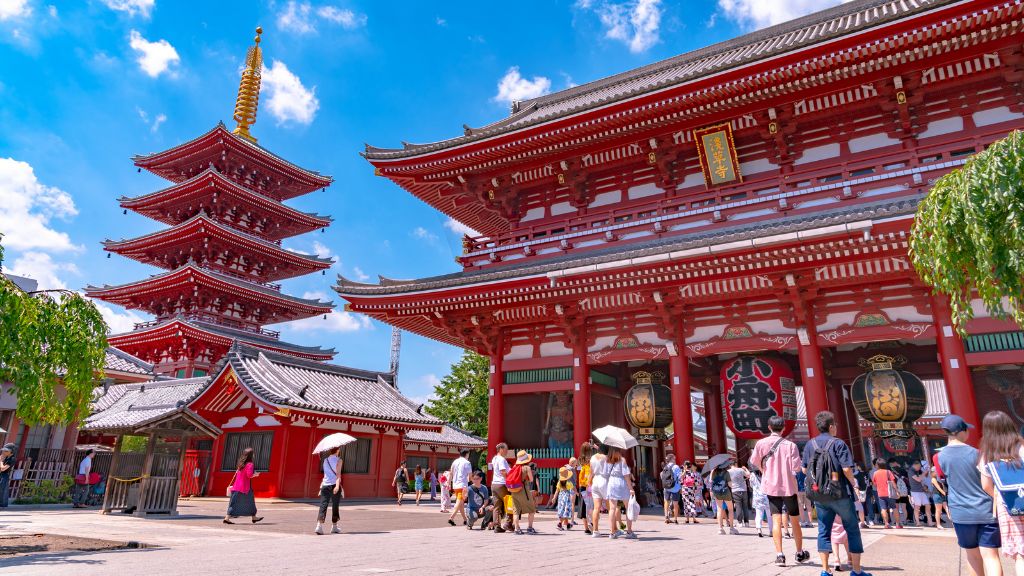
x,y
121,361
129,406
448,436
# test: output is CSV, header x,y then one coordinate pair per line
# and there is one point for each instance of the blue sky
x,y
84,85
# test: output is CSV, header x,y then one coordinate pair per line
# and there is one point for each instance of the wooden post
x,y
495,401
181,467
682,410
110,475
581,391
147,468
955,372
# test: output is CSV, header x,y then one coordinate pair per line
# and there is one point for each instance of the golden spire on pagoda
x,y
249,90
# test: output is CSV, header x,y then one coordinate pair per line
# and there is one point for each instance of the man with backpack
x,y
828,464
401,481
778,459
517,482
670,488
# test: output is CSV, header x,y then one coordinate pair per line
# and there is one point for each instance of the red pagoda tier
x,y
222,249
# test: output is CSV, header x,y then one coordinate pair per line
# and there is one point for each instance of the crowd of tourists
x,y
979,490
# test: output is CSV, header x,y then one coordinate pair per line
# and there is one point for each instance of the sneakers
x,y
615,535
499,530
733,531
451,522
559,528
632,536
861,573
837,567
803,556
531,531
863,525
587,531
780,559
721,531
335,530
596,534
520,532
319,530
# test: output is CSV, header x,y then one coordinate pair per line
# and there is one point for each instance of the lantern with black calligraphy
x,y
649,405
754,389
892,399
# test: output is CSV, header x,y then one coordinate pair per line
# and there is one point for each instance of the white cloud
x,y
754,14
10,9
635,23
119,322
441,21
337,320
359,274
132,7
287,99
342,16
301,17
26,208
321,250
514,88
423,234
155,124
155,58
459,228
52,11
40,267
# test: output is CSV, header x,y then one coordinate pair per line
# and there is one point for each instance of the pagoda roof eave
x,y
310,179
214,279
215,228
784,38
853,219
203,179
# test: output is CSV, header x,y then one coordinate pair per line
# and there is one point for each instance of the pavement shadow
x,y
68,558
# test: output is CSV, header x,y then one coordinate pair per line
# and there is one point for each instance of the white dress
x,y
599,477
618,489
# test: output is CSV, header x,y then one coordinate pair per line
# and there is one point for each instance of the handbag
x,y
231,485
1009,480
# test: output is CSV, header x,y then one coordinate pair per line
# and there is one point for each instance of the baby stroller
x,y
96,489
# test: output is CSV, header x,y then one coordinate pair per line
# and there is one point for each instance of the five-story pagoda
x,y
222,251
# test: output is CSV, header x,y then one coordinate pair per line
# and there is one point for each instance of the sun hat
x,y
955,424
523,457
564,473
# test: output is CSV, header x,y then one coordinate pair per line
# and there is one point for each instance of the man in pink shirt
x,y
779,460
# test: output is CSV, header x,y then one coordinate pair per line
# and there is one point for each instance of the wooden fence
x,y
55,464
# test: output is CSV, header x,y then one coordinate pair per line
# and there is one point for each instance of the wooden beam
x,y
110,474
147,469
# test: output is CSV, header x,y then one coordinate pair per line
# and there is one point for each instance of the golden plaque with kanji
x,y
717,153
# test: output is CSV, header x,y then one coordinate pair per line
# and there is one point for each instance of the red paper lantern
x,y
755,388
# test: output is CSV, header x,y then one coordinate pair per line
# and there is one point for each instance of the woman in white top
x,y
598,487
330,490
620,488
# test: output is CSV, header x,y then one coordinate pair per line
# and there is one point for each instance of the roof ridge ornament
x,y
249,90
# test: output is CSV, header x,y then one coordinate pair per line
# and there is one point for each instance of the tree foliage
x,y
47,341
967,236
461,397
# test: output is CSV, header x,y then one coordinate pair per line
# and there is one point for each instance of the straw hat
x,y
523,457
564,473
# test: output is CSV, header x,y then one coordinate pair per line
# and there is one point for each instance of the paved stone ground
x,y
381,538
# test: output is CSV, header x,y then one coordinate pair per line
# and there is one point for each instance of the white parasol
x,y
336,440
615,436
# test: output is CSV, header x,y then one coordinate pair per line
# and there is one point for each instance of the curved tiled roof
x,y
289,381
121,361
448,436
847,18
124,407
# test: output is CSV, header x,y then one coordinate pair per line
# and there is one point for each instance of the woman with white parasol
x,y
612,479
330,488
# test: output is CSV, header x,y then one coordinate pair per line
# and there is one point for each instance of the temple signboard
x,y
717,153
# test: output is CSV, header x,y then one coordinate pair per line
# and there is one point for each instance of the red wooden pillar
x,y
812,373
955,372
837,405
581,392
495,400
378,457
715,420
682,414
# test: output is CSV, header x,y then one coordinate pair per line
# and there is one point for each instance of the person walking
x,y
432,478
418,483
919,493
400,481
620,488
6,471
519,477
778,459
862,485
82,481
828,461
805,505
939,491
884,482
738,485
242,501
759,501
901,495
599,488
499,468
330,490
565,491
970,507
1002,476
446,492
691,483
671,488
722,492
586,500
458,477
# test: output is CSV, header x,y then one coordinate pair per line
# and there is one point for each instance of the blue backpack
x,y
1009,480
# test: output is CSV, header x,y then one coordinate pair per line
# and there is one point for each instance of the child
x,y
446,494
564,493
478,500
760,503
839,537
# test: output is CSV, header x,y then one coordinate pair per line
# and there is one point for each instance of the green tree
x,y
461,397
967,237
48,339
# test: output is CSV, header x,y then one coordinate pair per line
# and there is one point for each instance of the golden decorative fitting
x,y
490,194
377,172
561,178
901,97
773,127
249,90
652,159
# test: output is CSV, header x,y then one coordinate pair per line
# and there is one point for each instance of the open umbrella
x,y
336,440
715,462
615,436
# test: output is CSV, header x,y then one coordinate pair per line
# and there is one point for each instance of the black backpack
x,y
720,484
823,475
668,478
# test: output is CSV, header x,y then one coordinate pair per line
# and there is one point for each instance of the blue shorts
x,y
970,536
886,503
